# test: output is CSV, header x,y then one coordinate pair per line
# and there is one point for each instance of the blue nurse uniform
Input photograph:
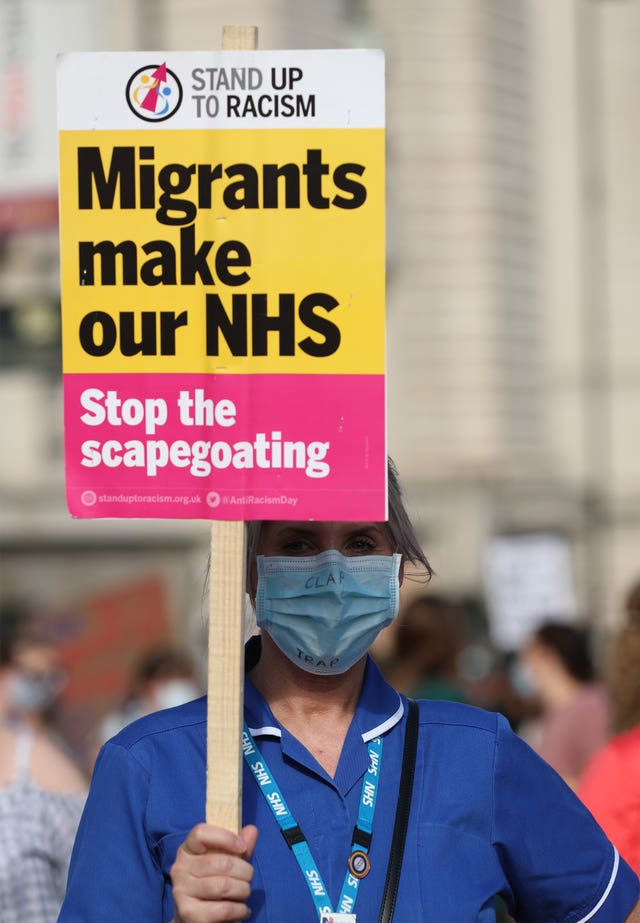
x,y
488,817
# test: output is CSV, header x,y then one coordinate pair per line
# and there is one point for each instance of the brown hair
x,y
570,643
625,665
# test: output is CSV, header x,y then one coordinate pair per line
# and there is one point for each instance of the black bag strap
x,y
402,814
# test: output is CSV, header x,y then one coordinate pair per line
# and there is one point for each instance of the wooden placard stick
x,y
225,685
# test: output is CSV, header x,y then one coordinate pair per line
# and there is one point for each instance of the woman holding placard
x,y
368,807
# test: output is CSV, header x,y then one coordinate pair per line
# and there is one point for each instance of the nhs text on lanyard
x,y
358,864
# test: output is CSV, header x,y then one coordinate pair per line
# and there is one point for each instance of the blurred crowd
x,y
43,778
574,697
42,789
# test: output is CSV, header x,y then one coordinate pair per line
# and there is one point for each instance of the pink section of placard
x,y
228,447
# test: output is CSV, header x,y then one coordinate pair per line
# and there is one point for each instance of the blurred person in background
x,y
426,645
576,713
610,786
38,682
163,677
42,793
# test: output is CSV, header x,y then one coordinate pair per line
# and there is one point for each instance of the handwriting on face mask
x,y
319,581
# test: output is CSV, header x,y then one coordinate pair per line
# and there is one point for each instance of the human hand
x,y
211,875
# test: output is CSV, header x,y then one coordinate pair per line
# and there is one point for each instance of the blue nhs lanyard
x,y
358,864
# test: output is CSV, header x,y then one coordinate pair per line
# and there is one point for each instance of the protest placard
x,y
222,240
222,270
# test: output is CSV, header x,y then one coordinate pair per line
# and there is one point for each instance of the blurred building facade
x,y
514,339
513,234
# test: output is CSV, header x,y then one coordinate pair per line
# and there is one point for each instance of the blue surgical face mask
x,y
325,611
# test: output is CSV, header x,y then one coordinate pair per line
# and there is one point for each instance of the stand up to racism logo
x,y
154,93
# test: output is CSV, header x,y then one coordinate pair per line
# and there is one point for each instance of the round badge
x,y
359,863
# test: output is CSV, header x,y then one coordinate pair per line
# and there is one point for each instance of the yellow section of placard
x,y
228,251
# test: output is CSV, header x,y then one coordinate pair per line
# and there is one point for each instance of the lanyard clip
x,y
361,838
292,835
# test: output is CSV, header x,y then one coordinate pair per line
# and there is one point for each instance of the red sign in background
x,y
103,640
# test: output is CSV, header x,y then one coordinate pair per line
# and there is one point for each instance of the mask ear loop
x,y
253,530
401,568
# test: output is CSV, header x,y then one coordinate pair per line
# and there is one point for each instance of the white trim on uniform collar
x,y
386,725
377,731
266,731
